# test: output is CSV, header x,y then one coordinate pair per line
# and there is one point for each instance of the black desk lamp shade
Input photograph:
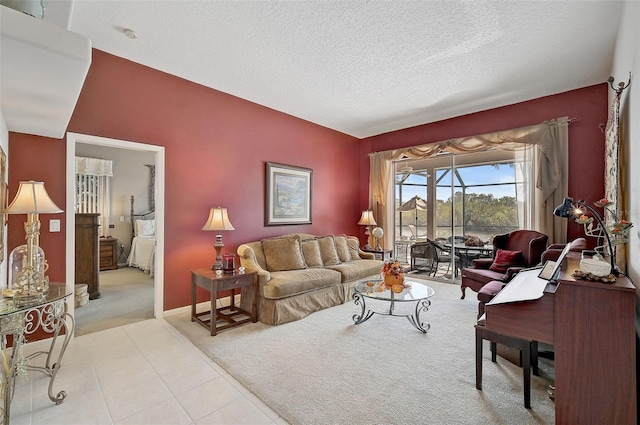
x,y
569,208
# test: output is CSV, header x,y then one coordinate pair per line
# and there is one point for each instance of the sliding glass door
x,y
475,195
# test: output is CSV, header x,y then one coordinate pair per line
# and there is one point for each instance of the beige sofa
x,y
300,273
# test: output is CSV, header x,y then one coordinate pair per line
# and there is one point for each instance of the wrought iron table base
x,y
413,318
52,317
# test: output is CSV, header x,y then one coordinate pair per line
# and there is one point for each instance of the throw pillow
x,y
505,259
342,248
328,251
145,227
283,254
311,253
354,248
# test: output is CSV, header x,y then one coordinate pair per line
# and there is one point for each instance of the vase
x,y
390,280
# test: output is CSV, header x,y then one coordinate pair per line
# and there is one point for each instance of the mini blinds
x,y
93,189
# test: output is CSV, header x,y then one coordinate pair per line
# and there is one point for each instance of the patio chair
x,y
429,255
443,255
414,234
422,257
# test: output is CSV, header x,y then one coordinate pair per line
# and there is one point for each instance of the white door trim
x,y
72,139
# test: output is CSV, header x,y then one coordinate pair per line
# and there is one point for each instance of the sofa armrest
x,y
482,263
366,255
249,262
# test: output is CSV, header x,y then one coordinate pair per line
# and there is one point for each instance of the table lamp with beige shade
x,y
367,220
218,221
29,284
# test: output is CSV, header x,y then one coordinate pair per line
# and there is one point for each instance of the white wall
x,y
627,60
130,177
4,143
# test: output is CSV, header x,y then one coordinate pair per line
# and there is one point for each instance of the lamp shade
x,y
218,220
367,218
566,209
32,197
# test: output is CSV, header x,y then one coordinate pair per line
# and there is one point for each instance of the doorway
x,y
157,154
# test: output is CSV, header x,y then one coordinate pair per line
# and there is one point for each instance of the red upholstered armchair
x,y
521,249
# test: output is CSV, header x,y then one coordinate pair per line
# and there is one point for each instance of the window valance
x,y
550,142
94,166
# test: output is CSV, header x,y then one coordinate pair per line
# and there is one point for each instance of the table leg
x,y
362,317
193,300
255,300
415,319
232,301
214,312
51,368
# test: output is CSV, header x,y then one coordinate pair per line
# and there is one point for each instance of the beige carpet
x,y
126,297
326,370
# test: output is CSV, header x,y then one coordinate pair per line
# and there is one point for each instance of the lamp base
x,y
27,299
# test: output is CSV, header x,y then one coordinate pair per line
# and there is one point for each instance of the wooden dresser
x,y
87,251
108,253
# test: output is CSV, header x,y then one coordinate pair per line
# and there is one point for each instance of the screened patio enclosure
x,y
489,183
479,194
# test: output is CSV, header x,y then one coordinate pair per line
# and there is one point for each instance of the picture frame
x,y
288,194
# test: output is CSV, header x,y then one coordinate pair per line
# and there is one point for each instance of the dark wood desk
x,y
591,326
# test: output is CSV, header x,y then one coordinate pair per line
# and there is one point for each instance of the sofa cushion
x,y
311,253
342,248
288,283
358,269
328,250
505,259
283,254
354,248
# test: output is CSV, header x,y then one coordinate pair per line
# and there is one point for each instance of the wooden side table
x,y
108,253
207,279
383,255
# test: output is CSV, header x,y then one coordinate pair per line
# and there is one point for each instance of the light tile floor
x,y
141,373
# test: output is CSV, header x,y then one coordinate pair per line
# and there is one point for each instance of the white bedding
x,y
142,255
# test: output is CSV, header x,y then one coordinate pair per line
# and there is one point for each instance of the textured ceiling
x,y
363,68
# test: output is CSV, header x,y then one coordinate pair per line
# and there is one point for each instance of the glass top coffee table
x,y
375,289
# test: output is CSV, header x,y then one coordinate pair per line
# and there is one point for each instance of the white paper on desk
x,y
525,286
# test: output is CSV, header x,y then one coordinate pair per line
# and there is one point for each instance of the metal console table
x,y
49,315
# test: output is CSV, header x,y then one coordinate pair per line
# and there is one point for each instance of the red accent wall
x,y
216,146
586,140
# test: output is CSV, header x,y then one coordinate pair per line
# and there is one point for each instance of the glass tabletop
x,y
375,288
57,291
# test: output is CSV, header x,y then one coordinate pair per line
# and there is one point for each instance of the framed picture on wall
x,y
288,194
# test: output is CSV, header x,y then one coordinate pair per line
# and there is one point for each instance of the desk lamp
x,y
571,209
218,220
29,280
367,220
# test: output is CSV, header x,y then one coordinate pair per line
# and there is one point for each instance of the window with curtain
x,y
541,179
93,189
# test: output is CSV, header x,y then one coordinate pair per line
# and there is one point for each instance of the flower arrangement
x,y
392,267
618,231
393,276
